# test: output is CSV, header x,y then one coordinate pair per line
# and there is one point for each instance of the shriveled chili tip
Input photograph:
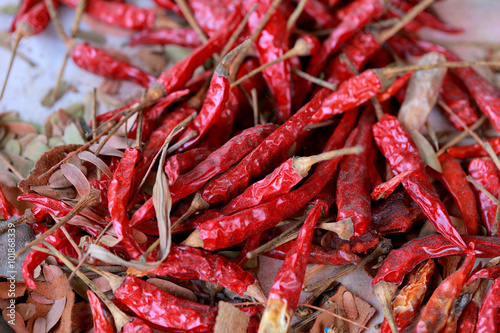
x,y
185,37
101,322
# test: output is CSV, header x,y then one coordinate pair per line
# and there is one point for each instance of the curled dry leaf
x,y
55,313
109,87
102,283
57,180
107,151
64,87
154,60
50,272
40,325
26,310
77,178
173,289
92,158
426,151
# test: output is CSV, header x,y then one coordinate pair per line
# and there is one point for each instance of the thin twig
x,y
186,11
315,80
462,135
237,32
295,15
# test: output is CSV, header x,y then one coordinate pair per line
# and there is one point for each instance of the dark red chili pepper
x,y
163,309
487,319
287,286
438,307
485,172
271,44
185,37
396,86
168,4
189,263
179,164
475,150
226,231
6,208
272,151
214,15
102,324
468,319
321,15
99,62
353,183
118,198
24,7
363,244
406,304
385,189
402,155
454,179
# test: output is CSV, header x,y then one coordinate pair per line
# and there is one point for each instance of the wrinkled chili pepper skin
x,y
272,151
394,88
458,101
226,231
271,44
215,15
118,14
185,37
454,179
49,205
487,319
353,183
101,323
323,17
349,94
99,62
136,326
163,309
475,150
118,198
402,154
179,164
188,263
24,7
406,304
438,307
484,171
6,208
37,17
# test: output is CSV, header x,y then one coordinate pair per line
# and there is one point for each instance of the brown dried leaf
x,y
44,163
55,313
426,150
59,194
37,298
7,292
64,87
350,305
40,325
50,272
26,310
173,289
230,319
57,180
92,158
19,128
81,317
109,87
15,321
102,283
154,60
107,151
77,178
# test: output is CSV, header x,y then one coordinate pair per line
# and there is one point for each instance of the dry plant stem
x,y
482,189
181,142
325,123
11,167
299,325
117,126
80,8
311,272
384,291
138,138
186,11
410,15
71,241
315,80
26,217
432,134
21,30
91,199
196,205
255,106
494,231
237,33
295,15
383,24
301,48
302,165
119,317
286,236
462,135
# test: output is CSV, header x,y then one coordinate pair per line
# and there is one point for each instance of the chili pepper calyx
x,y
193,239
384,291
275,318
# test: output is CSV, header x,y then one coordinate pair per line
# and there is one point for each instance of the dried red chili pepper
x,y
168,4
394,88
454,179
287,286
353,184
181,163
474,150
49,205
185,37
101,323
402,154
24,7
226,231
487,319
397,213
406,304
189,263
136,326
271,44
468,319
385,189
439,305
6,208
99,62
485,172
214,15
118,198
321,15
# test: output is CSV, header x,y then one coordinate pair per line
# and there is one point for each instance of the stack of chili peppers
x,y
231,181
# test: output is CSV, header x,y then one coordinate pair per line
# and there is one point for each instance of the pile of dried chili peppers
x,y
296,130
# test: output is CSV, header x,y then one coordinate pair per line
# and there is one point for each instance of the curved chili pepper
x,y
402,154
181,163
188,263
457,99
118,197
468,319
226,231
363,244
454,179
185,37
163,309
353,184
271,44
37,18
487,319
394,88
24,7
474,150
406,304
214,15
287,286
49,205
99,62
101,322
485,172
7,209
118,14
168,4
439,305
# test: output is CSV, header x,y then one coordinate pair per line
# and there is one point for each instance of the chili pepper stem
x,y
222,68
91,199
193,239
482,189
22,29
384,291
238,31
255,291
302,165
286,236
311,272
276,318
314,79
255,106
196,205
462,135
295,15
183,6
343,228
80,8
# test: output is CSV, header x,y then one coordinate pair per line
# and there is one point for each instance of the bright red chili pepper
x,y
475,150
99,62
181,163
287,286
394,88
49,205
468,319
136,326
487,319
402,154
37,18
185,37
168,4
321,15
102,324
485,172
25,6
6,208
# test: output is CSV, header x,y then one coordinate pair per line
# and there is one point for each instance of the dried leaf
x,y
154,60
64,87
21,164
40,325
109,87
230,319
26,310
15,321
55,313
19,128
107,151
13,146
34,150
119,142
9,116
9,9
426,151
350,305
40,298
75,111
55,141
7,292
91,36
59,194
77,178
92,158
50,272
102,283
109,241
8,179
173,289
72,135
140,237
